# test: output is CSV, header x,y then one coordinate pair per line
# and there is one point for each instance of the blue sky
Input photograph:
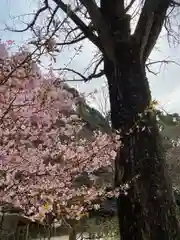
x,y
165,87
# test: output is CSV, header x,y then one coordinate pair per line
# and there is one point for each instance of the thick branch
x,y
114,13
82,77
82,26
149,25
156,28
112,8
101,27
130,5
174,3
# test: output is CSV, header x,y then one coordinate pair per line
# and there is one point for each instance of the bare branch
x,y
95,60
98,64
173,35
151,71
30,25
82,26
82,77
52,17
161,62
77,38
72,42
97,75
72,70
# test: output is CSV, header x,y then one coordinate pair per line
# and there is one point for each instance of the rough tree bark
x,y
149,210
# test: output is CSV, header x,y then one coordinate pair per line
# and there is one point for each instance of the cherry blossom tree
x,y
40,153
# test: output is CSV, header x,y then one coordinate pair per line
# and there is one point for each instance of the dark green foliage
x,y
93,118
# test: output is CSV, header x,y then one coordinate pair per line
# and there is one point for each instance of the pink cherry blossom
x,y
10,42
41,154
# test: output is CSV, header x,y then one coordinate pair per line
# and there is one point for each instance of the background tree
x,y
148,211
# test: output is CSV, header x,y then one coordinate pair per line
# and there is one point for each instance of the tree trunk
x,y
148,211
72,233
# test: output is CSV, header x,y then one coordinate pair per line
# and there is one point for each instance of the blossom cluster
x,y
41,152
